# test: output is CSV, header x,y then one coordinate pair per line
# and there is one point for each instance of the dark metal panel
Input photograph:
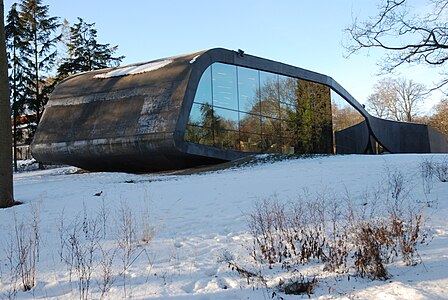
x,y
353,140
437,141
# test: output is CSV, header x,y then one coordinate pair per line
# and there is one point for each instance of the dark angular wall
x,y
352,140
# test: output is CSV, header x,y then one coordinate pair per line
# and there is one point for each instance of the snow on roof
x,y
194,59
136,69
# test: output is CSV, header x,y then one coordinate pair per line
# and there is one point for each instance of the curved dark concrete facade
x,y
134,118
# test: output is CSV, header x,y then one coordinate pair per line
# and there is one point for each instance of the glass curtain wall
x,y
248,110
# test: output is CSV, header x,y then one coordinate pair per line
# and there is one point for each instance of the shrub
x,y
287,234
364,236
26,248
79,249
372,241
441,170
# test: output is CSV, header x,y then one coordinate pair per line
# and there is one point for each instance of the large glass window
x,y
249,110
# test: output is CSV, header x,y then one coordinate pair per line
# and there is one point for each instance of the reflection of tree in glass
x,y
311,121
269,98
344,117
211,129
201,131
226,139
250,123
208,118
287,89
265,99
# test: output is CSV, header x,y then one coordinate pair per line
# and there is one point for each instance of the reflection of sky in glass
x,y
267,79
338,100
344,115
196,115
204,90
224,86
248,82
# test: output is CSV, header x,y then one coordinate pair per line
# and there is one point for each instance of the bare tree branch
x,y
406,38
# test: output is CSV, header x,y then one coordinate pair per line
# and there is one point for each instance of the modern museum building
x,y
209,107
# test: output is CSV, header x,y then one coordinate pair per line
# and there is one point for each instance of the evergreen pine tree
x,y
41,50
85,53
15,45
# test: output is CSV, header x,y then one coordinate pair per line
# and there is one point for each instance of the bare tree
x,y
408,37
379,101
397,99
439,119
410,96
6,190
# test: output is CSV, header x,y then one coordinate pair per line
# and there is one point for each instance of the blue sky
x,y
307,34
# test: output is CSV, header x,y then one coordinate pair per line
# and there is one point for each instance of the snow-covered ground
x,y
197,221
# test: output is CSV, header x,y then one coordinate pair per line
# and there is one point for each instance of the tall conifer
x,y
84,51
41,48
15,44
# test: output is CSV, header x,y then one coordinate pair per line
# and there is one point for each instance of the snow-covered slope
x,y
198,221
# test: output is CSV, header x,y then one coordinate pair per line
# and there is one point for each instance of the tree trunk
x,y
14,113
36,70
6,185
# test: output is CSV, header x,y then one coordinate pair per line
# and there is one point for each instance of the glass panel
x,y
288,129
250,123
199,135
204,90
287,90
269,97
344,115
225,119
271,126
248,85
271,134
271,144
224,86
288,146
201,115
250,142
286,110
227,139
308,126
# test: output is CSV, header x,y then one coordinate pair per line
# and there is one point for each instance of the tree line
x,y
34,40
400,99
